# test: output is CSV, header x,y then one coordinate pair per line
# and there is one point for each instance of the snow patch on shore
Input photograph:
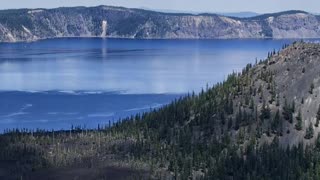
x,y
104,28
35,11
26,29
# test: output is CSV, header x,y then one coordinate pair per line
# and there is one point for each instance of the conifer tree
x,y
299,122
311,88
287,111
265,111
276,122
309,132
293,106
318,117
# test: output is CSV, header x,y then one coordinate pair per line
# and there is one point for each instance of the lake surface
x,y
57,83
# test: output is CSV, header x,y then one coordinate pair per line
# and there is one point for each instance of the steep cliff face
x,y
33,24
298,25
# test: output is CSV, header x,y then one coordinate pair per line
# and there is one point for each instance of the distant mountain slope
x,y
106,21
244,14
239,14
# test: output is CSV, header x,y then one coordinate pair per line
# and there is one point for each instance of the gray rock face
x,y
34,24
294,69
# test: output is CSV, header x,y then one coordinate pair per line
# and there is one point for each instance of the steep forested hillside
x,y
262,123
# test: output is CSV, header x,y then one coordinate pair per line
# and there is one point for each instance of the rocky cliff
x,y
106,21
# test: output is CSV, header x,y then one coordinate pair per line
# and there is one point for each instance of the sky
x,y
259,6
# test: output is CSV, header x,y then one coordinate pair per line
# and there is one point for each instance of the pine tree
x,y
299,122
311,88
278,101
293,106
230,123
309,132
287,112
276,123
318,117
251,106
290,118
238,121
265,111
223,119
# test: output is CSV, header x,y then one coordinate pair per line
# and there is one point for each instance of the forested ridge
x,y
117,22
261,123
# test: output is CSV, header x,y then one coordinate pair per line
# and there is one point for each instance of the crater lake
x,y
60,83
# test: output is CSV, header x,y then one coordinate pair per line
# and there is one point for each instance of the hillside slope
x,y
262,123
106,21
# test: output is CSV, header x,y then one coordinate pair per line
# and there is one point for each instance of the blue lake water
x,y
53,84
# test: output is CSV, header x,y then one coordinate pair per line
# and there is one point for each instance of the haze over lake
x,y
56,83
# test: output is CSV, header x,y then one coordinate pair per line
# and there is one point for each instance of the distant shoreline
x,y
27,25
128,38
